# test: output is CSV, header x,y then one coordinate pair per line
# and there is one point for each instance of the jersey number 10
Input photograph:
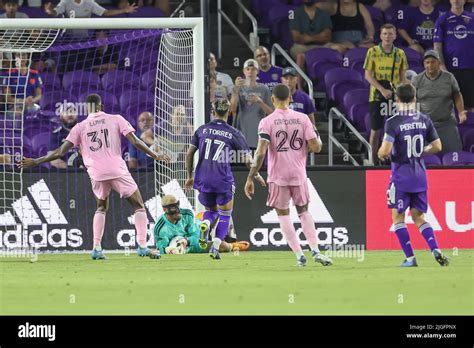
x,y
414,145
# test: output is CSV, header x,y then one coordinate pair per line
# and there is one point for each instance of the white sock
x,y
299,254
410,258
438,250
314,248
97,247
216,243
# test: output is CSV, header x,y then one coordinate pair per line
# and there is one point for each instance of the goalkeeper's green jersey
x,y
186,227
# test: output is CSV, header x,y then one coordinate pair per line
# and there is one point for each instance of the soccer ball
x,y
175,247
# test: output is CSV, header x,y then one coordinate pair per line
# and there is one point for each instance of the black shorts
x,y
465,78
377,118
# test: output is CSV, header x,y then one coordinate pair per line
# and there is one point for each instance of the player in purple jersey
x,y
219,144
408,136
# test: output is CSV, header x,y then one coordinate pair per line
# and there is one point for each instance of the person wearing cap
x,y
269,75
250,102
68,118
300,101
454,41
437,93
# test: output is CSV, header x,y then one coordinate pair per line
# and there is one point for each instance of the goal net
x,y
149,71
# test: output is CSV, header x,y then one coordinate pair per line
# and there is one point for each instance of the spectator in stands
x,y
216,91
417,26
310,28
103,58
138,159
11,10
385,67
437,92
15,92
174,135
163,5
269,75
68,118
350,21
84,9
454,41
250,102
300,101
222,78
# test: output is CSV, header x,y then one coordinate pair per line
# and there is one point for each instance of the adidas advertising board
x,y
337,205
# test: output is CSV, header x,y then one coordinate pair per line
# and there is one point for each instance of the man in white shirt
x,y
85,9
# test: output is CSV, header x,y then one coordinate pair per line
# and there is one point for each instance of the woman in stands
x,y
352,25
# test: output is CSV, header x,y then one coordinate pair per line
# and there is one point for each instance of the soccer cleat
x,y
322,259
204,228
214,254
241,245
301,261
98,255
440,257
152,254
411,263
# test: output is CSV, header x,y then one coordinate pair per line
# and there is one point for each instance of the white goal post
x,y
38,34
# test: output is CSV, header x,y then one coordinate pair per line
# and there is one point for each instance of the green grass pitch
x,y
250,283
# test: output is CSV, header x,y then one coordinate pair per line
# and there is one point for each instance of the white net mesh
x,y
174,116
27,40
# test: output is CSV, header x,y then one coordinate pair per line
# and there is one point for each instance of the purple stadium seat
x,y
354,55
51,82
432,160
468,141
378,19
74,79
320,60
111,104
134,97
147,11
396,12
418,69
358,116
278,17
120,80
338,76
148,81
33,12
50,100
261,8
413,57
458,158
355,97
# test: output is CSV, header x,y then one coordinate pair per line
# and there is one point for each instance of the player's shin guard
x,y
309,230
98,225
428,234
223,224
290,234
403,237
141,223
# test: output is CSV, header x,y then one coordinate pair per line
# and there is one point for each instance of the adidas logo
x,y
320,214
41,222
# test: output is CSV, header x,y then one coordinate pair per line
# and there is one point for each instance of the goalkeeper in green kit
x,y
177,232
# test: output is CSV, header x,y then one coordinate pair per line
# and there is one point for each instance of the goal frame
x,y
195,24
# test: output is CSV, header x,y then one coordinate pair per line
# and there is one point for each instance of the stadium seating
x,y
51,81
120,80
458,158
468,141
81,80
109,100
432,160
320,60
338,81
279,25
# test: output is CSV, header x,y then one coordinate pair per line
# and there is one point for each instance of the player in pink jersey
x,y
99,139
288,135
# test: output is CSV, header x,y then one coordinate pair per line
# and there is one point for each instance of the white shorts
x,y
125,186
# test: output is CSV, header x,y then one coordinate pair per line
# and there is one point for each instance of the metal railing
x,y
252,42
334,112
277,48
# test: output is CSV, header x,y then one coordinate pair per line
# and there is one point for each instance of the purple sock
x,y
404,239
429,236
210,215
223,224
